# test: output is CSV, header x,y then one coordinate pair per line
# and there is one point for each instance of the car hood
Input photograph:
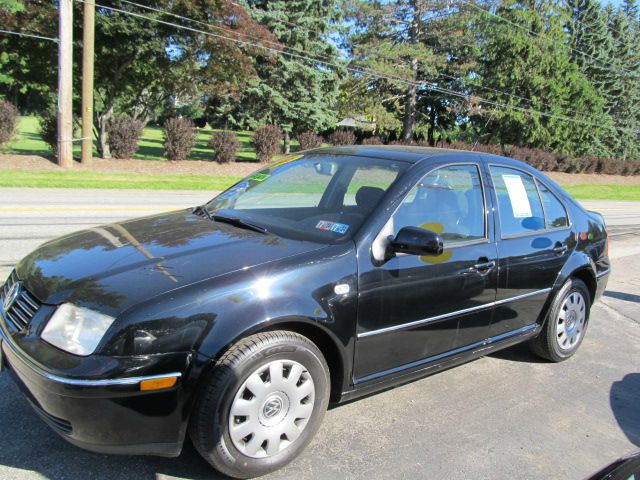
x,y
115,266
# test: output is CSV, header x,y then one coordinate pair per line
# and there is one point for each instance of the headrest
x,y
368,196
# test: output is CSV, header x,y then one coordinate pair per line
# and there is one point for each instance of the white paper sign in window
x,y
518,196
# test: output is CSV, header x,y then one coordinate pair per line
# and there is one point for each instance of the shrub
x,y
309,140
342,137
266,141
611,166
8,121
626,168
179,138
589,164
123,136
372,141
48,129
225,145
402,142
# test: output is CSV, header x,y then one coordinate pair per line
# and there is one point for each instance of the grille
x,y
21,310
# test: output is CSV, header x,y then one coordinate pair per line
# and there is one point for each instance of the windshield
x,y
321,198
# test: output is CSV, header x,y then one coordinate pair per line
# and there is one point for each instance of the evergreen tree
x,y
626,107
533,62
295,93
387,38
605,50
416,45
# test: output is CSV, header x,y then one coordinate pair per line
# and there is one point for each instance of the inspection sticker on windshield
x,y
518,196
259,177
332,226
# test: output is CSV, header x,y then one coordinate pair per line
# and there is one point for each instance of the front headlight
x,y
76,330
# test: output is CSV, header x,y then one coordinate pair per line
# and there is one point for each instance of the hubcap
x,y
571,320
271,408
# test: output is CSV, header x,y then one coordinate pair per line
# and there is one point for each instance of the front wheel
x,y
566,324
261,405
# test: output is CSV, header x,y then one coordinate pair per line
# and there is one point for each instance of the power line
x,y
512,95
29,35
540,35
277,46
188,19
430,85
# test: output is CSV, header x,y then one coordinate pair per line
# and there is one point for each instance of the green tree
x,y
387,38
534,63
418,47
298,89
625,29
27,69
140,64
605,49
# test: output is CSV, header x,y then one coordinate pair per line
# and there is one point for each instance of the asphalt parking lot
x,y
508,415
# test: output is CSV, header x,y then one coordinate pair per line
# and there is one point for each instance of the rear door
x,y
534,240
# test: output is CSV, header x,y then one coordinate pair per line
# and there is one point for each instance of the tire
x,y
566,324
247,397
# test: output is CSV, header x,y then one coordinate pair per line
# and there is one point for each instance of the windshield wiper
x,y
237,222
200,210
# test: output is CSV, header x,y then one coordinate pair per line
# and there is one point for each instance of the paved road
x,y
508,415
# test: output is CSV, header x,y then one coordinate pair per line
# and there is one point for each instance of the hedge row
x,y
540,159
124,134
556,162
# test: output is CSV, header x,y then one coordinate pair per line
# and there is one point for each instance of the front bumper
x,y
103,415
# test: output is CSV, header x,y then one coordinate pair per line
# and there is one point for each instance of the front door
x,y
412,309
535,241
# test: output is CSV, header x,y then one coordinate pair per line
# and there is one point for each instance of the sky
x,y
615,3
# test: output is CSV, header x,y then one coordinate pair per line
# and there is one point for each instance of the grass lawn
x,y
629,193
28,142
24,178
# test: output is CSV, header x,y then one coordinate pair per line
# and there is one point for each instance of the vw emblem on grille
x,y
11,297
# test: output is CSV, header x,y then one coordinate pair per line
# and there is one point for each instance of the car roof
x,y
413,154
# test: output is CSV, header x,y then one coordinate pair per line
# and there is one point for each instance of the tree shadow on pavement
x,y
28,444
627,297
624,397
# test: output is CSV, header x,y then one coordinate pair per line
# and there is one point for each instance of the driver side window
x,y
448,201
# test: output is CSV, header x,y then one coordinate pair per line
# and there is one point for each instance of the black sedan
x,y
321,278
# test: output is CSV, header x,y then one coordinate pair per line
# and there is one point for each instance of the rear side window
x,y
519,204
556,214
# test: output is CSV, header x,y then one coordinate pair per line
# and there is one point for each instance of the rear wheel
x,y
566,324
262,404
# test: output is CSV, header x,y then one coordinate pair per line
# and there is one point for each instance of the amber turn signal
x,y
158,383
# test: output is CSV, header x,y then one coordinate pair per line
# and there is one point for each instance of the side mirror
x,y
417,241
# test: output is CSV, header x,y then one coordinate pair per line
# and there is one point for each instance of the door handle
x,y
484,266
560,248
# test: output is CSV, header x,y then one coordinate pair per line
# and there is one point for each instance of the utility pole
x,y
88,32
65,87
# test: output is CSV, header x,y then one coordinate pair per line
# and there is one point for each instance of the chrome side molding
x,y
425,321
